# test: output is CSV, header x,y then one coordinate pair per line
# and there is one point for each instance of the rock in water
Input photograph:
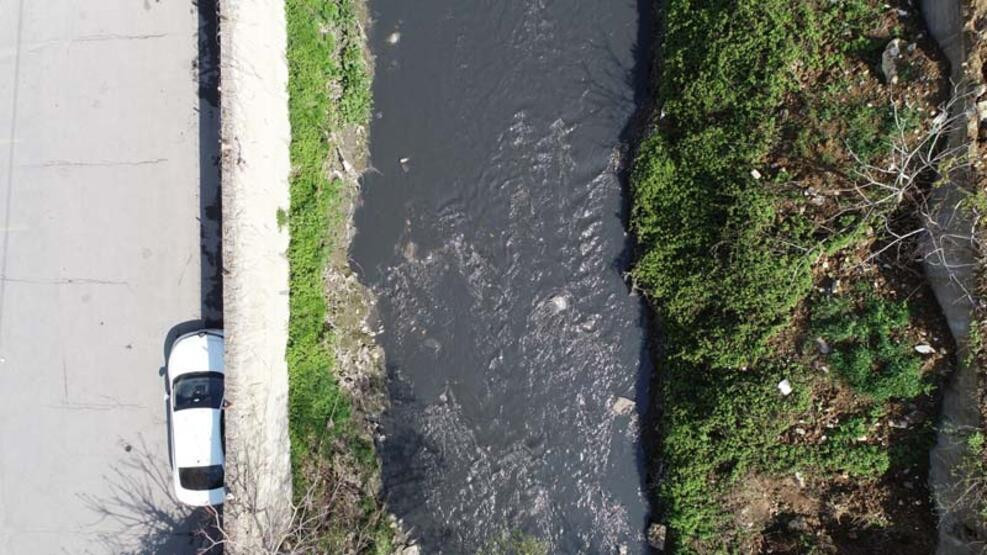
x,y
623,406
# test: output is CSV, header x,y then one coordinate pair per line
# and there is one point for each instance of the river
x,y
492,231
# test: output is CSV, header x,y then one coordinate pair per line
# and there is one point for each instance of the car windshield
x,y
201,477
199,390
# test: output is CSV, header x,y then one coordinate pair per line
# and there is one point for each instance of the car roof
x,y
197,437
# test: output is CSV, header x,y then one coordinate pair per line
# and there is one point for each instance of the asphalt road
x,y
105,174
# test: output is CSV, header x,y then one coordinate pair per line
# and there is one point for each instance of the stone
x,y
889,58
622,406
799,524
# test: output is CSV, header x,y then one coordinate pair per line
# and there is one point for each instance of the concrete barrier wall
x,y
961,530
255,168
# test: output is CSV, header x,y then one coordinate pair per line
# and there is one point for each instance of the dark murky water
x,y
492,233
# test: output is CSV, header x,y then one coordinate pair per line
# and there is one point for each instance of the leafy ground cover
x,y
771,254
332,455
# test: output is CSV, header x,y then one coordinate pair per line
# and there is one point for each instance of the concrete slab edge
x,y
256,135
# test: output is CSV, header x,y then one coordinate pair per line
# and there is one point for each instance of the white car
x,y
195,406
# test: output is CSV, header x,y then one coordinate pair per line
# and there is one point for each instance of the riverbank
x,y
778,204
335,374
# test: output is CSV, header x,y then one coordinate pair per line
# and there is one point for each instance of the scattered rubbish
x,y
559,303
393,38
785,387
924,349
823,346
755,174
405,164
982,110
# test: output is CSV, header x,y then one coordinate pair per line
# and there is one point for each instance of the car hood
x,y
197,437
198,352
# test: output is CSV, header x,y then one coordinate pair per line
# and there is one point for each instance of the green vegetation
x,y
870,355
766,104
329,88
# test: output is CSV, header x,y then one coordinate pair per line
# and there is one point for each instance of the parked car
x,y
195,406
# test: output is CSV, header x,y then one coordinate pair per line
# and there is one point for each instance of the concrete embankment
x,y
950,267
255,168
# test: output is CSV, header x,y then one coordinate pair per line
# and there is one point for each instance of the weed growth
x,y
329,88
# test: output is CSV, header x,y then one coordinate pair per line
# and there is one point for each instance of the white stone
x,y
623,406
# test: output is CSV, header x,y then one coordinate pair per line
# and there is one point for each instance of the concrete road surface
x,y
105,173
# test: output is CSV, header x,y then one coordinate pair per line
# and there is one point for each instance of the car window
x,y
200,390
201,477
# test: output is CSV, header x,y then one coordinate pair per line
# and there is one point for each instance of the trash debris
x,y
785,387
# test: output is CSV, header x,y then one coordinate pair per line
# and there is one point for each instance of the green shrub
x,y
720,253
706,226
866,333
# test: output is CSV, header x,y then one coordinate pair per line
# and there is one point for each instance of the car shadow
x,y
141,501
140,514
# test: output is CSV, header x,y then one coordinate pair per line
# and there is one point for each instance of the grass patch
x,y
329,89
741,213
867,332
